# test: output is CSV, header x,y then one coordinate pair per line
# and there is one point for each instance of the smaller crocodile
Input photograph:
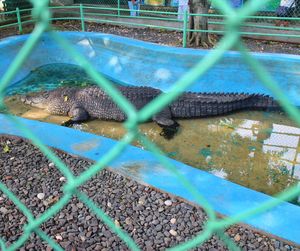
x,y
92,102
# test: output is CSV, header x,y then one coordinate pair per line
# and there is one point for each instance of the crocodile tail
x,y
191,105
264,102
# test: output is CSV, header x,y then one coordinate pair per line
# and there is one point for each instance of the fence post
x,y
185,21
19,20
82,17
118,8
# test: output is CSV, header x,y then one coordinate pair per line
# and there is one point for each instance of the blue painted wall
x,y
139,63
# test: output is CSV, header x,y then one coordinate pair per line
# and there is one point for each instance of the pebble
x,y
62,179
80,205
3,210
128,221
82,238
168,202
117,223
173,221
173,232
51,164
142,201
58,237
158,227
41,196
237,237
160,209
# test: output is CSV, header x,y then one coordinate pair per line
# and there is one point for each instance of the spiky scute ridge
x,y
192,105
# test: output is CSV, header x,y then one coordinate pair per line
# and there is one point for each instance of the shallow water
x,y
258,150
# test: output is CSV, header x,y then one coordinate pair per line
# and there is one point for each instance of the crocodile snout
x,y
27,100
34,100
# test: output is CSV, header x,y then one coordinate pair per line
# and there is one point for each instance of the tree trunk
x,y
199,23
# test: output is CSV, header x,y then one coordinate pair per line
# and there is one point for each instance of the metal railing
x,y
157,20
234,20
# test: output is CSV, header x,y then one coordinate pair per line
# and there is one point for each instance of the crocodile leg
x,y
168,125
78,115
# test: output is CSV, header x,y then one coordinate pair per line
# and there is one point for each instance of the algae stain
x,y
251,148
86,145
205,152
172,154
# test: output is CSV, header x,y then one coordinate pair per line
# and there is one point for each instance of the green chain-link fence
x,y
214,225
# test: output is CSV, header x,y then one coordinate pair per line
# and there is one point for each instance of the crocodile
x,y
91,102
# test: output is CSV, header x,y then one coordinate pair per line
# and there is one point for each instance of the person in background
x,y
285,9
137,7
183,5
134,6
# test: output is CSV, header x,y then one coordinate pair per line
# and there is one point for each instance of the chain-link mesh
x,y
214,225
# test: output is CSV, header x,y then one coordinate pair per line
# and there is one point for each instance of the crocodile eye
x,y
45,95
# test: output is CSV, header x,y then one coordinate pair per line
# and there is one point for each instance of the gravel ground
x,y
155,220
172,38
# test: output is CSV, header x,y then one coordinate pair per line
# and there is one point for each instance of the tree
x,y
199,23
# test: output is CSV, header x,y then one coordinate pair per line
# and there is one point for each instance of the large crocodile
x,y
92,102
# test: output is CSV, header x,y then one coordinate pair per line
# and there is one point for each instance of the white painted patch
x,y
282,140
245,133
162,74
251,154
286,129
249,124
219,173
285,153
106,41
89,46
84,42
115,63
92,54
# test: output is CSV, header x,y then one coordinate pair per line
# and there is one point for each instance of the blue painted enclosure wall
x,y
138,63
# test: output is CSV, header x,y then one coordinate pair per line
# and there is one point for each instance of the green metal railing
x,y
119,16
233,21
10,5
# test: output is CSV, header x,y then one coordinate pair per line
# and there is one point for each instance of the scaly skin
x,y
92,102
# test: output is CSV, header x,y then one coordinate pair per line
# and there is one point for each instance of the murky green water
x,y
258,150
